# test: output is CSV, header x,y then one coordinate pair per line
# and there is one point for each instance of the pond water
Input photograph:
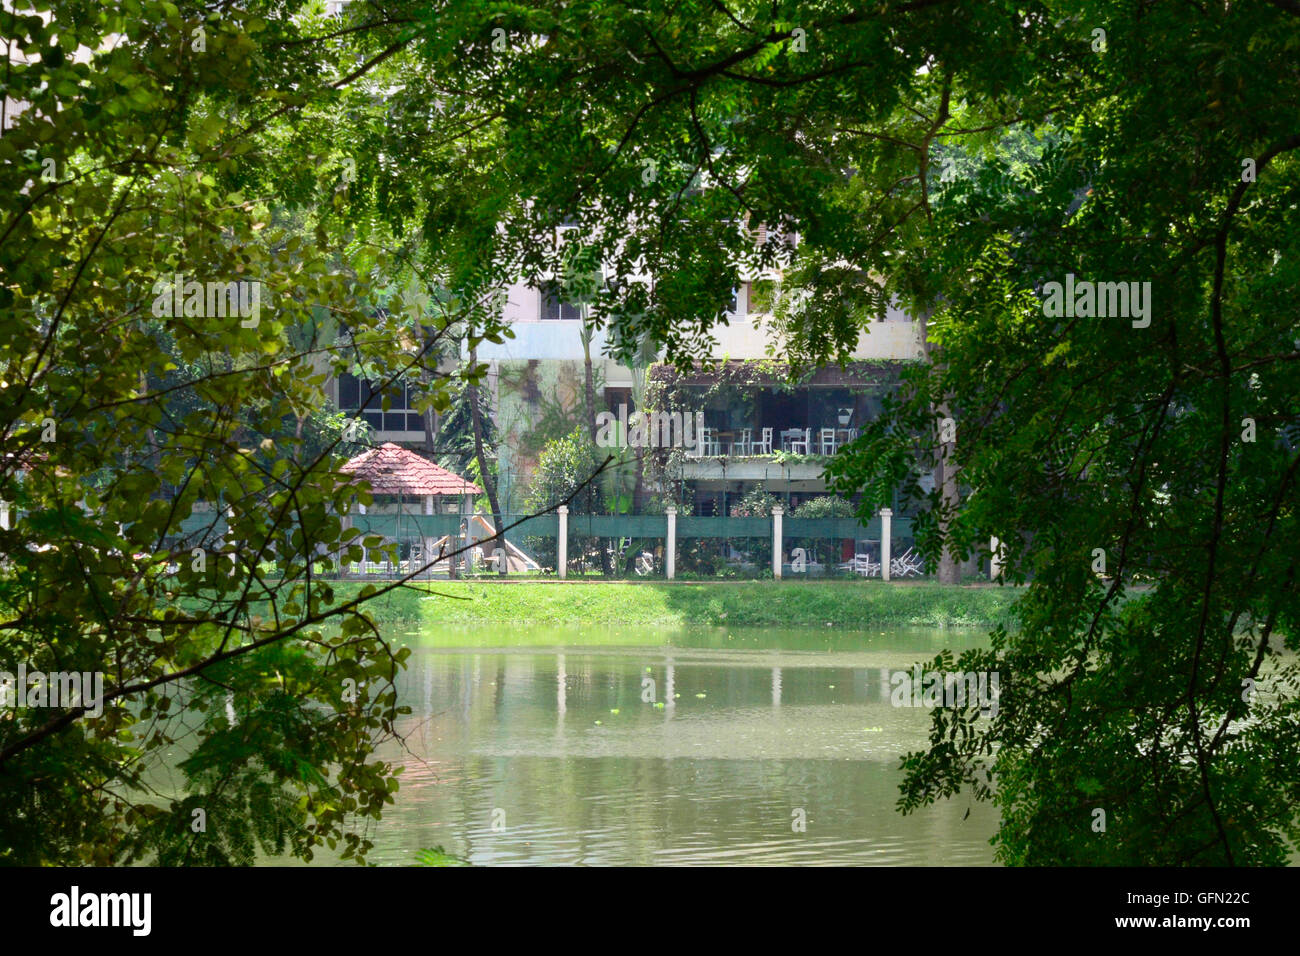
x,y
653,747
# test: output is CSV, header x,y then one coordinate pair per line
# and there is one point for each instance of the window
x,y
615,397
349,388
554,306
357,393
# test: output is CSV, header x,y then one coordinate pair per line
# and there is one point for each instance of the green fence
x,y
633,545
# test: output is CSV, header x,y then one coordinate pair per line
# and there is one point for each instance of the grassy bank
x,y
755,603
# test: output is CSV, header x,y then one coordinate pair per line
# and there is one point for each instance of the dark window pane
x,y
554,306
550,301
349,391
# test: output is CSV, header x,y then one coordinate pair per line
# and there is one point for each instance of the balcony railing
x,y
766,441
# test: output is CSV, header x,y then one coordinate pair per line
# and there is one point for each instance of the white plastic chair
x,y
762,446
828,444
907,565
863,565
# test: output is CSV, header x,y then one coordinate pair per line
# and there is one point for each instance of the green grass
x,y
856,604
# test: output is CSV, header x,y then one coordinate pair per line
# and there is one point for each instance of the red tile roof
x,y
394,470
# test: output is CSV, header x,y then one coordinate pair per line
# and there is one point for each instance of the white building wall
x,y
745,337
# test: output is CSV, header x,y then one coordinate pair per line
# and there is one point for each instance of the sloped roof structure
x,y
394,470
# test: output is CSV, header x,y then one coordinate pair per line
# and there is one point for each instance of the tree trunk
x,y
638,489
589,388
430,431
430,420
489,486
945,478
945,474
589,399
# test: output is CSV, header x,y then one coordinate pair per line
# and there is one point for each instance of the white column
x,y
886,541
776,687
4,515
426,541
562,543
468,545
995,559
670,544
777,512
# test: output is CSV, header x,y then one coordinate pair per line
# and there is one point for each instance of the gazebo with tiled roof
x,y
394,471
399,477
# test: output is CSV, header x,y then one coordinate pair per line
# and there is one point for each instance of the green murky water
x,y
641,746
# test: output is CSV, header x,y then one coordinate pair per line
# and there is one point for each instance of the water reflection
x,y
696,747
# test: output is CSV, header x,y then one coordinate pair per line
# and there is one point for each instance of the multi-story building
x,y
758,429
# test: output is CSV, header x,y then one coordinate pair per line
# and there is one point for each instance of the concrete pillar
x,y
886,541
995,559
467,540
562,543
358,567
426,541
777,512
499,549
670,543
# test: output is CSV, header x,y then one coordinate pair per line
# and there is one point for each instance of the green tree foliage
x,y
1105,140
455,442
825,506
172,505
1100,139
563,469
564,472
